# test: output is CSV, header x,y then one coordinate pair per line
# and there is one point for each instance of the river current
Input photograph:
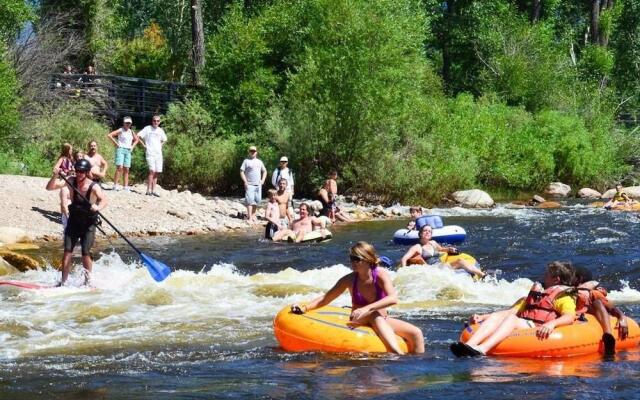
x,y
206,332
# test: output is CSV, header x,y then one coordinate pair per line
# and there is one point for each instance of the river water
x,y
206,332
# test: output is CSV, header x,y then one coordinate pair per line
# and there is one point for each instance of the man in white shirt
x,y
253,174
283,171
153,138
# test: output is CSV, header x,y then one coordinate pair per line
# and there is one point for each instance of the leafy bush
x,y
194,158
40,138
13,14
9,100
146,56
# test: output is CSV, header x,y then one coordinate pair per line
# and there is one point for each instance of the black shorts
x,y
270,230
86,239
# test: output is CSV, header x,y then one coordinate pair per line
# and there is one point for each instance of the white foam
x,y
220,306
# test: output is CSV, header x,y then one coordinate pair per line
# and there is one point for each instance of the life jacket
x,y
81,217
619,196
586,297
539,305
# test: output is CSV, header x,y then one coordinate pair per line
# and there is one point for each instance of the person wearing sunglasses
x,y
372,292
125,140
253,173
86,200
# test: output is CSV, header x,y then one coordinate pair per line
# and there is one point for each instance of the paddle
x,y
158,270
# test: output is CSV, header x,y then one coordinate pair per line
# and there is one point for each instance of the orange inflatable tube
x,y
326,329
579,339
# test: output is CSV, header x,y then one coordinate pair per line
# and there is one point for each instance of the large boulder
x,y
558,189
474,198
631,191
315,205
588,193
10,235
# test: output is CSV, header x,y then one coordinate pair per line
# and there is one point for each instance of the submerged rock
x,y
549,204
19,261
6,268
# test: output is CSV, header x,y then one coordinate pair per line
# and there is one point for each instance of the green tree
x,y
13,15
9,101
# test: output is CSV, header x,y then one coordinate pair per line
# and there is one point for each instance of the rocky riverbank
x,y
27,206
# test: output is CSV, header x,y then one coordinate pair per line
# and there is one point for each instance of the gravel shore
x,y
29,206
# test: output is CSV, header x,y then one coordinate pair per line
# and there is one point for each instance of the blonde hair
x,y
78,155
271,193
366,252
65,151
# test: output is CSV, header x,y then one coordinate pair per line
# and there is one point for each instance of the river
x,y
206,332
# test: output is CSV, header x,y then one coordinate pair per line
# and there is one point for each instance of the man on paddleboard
x,y
87,199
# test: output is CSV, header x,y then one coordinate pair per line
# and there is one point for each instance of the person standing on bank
x,y
253,174
283,171
125,140
153,138
83,216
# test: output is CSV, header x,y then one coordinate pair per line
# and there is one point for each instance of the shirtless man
x,y
98,163
305,224
283,197
82,216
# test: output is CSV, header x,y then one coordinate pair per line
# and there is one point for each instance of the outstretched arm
x,y
55,183
328,297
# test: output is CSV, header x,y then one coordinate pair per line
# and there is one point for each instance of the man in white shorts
x,y
153,138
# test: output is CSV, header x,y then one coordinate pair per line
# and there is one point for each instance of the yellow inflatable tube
x,y
326,329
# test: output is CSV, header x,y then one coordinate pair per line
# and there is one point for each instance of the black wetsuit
x,y
82,223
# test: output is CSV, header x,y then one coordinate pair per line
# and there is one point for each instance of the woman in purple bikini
x,y
371,293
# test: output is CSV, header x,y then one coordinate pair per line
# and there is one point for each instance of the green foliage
x,y
358,88
38,145
193,158
626,47
13,15
146,56
240,87
9,100
523,63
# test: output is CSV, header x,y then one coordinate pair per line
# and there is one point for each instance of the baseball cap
x,y
284,159
253,148
127,119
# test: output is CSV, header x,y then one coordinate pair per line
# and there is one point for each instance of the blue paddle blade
x,y
158,270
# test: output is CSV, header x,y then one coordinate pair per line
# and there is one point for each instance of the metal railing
x,y
116,96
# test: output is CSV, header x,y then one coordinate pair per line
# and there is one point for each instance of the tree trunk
x,y
536,7
446,55
197,37
595,21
